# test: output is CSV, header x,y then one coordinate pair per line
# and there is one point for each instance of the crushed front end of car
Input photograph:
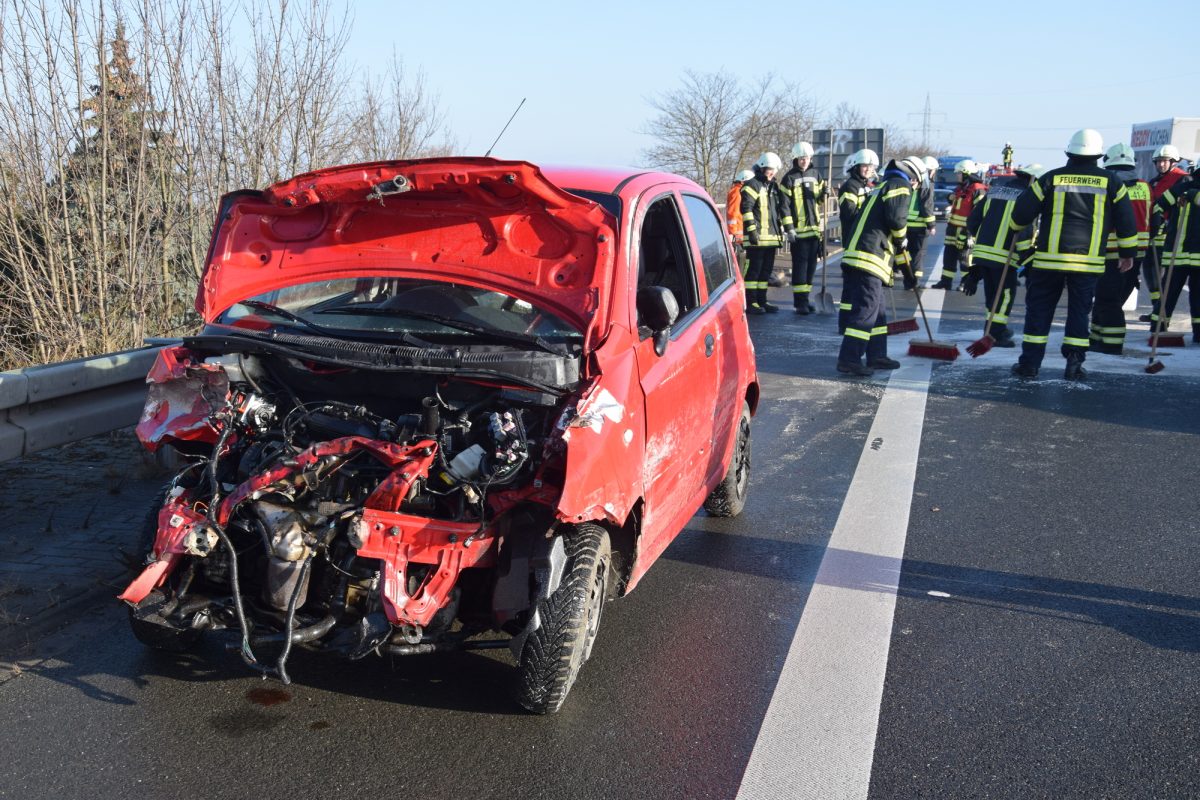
x,y
373,438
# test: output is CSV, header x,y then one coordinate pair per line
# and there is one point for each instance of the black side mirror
x,y
658,310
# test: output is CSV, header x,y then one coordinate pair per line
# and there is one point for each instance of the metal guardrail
x,y
54,404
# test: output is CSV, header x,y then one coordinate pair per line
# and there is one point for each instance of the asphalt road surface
x,y
947,583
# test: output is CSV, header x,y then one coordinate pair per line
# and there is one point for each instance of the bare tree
x,y
120,128
713,125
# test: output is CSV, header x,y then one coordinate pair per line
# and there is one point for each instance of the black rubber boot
x,y
944,283
1004,338
883,362
1024,371
854,368
1075,370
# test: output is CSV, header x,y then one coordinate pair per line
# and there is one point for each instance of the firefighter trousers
x,y
761,260
1108,318
1189,276
1042,293
955,253
866,321
804,266
916,256
991,285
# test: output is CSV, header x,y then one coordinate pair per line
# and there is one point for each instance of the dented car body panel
x,y
416,381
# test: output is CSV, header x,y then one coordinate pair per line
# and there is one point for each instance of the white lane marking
x,y
818,737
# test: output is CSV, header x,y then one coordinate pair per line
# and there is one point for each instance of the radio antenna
x,y
502,130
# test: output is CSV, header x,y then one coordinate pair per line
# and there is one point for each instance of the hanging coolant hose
x,y
289,624
226,431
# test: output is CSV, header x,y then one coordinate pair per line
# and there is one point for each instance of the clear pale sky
x,y
1026,72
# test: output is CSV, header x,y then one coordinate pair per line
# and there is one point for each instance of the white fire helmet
x,y
802,150
1086,142
768,161
1120,155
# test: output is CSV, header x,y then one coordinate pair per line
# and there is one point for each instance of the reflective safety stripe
x,y
879,331
902,191
1071,340
855,333
801,288
1109,329
845,307
997,317
1038,192
869,263
1056,215
1028,337
1155,295
1068,262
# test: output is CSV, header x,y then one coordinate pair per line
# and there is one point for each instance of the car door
x,y
680,385
724,317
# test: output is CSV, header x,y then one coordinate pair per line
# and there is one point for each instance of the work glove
x,y
931,230
790,234
970,284
821,246
970,242
752,237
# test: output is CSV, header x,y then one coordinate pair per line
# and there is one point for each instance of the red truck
x,y
442,404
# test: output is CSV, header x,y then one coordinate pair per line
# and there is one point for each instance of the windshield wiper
x,y
270,308
449,322
283,313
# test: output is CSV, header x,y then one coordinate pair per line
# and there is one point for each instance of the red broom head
x,y
1168,339
903,326
939,350
981,346
1157,366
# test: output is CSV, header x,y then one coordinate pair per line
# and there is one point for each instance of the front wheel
x,y
729,497
570,618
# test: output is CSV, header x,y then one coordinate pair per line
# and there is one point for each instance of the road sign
x,y
842,142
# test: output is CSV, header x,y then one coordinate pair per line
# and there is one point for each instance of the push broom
x,y
906,325
1158,337
1161,338
945,351
981,346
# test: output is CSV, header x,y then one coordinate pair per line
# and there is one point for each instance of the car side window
x,y
710,237
663,257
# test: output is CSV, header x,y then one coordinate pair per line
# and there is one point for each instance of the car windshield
x,y
381,306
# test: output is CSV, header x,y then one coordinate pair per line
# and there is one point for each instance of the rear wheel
x,y
570,618
729,497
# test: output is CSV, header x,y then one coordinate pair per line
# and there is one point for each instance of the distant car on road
x,y
941,203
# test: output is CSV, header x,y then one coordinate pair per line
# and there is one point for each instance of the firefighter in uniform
x,y
921,223
994,238
1006,155
1182,204
1077,204
733,215
805,192
1167,174
877,240
860,169
957,249
1114,286
763,212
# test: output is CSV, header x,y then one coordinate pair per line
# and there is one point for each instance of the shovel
x,y
824,299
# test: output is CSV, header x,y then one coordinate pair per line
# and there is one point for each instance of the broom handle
x,y
908,272
1162,297
987,329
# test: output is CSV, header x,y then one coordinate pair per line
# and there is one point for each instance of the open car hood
x,y
496,224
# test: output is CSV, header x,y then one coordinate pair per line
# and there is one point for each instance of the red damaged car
x,y
444,404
